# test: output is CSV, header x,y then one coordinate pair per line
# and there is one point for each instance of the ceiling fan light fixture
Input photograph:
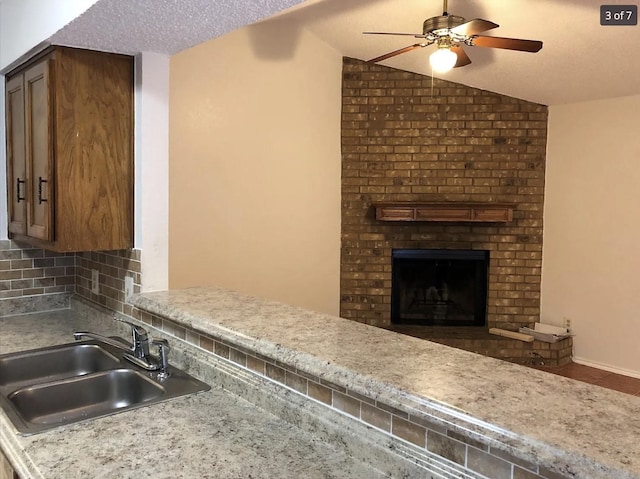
x,y
442,60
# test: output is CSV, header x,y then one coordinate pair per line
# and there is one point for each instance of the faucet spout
x,y
78,335
136,353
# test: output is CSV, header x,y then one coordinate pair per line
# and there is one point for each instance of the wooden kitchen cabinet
x,y
69,117
6,470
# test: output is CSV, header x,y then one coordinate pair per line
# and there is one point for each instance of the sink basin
x,y
55,363
50,387
83,397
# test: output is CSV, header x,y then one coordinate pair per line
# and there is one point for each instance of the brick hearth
x,y
536,353
406,137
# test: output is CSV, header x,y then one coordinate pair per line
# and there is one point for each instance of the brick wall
x,y
408,138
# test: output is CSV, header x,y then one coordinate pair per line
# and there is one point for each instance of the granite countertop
x,y
542,416
212,434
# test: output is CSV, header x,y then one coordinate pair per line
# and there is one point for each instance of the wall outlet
x,y
95,281
567,323
128,286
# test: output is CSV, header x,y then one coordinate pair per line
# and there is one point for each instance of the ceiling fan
x,y
450,33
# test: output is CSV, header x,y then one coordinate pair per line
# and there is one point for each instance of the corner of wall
x,y
152,167
3,167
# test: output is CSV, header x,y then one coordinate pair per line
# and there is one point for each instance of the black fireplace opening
x,y
439,287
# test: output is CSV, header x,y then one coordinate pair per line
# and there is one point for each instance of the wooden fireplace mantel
x,y
445,212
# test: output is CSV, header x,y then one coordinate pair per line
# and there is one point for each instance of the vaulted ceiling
x,y
580,60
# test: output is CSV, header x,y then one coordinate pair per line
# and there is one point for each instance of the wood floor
x,y
598,377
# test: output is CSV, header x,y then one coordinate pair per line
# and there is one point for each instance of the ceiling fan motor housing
x,y
440,25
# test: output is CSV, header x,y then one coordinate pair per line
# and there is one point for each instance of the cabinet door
x,y
6,471
16,165
39,150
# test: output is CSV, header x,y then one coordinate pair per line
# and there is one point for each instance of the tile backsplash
x,y
35,279
112,267
26,271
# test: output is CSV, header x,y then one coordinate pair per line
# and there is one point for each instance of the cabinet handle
x,y
18,183
40,198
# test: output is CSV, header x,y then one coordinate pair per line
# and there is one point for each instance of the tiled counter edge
x,y
408,421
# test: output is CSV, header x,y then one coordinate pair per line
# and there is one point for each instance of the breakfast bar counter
x,y
494,418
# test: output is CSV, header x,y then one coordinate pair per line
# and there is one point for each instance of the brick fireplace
x,y
408,138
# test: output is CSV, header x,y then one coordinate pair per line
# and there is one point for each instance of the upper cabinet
x,y
69,117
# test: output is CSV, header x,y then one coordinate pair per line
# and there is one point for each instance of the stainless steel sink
x,y
54,363
49,387
83,397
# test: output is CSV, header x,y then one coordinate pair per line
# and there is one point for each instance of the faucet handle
x,y
137,330
163,352
140,338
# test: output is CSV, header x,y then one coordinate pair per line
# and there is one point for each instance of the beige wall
x,y
591,257
254,147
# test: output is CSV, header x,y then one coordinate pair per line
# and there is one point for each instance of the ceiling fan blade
x,y
417,35
463,59
474,26
506,43
398,52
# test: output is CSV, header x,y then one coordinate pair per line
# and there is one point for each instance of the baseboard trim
x,y
606,367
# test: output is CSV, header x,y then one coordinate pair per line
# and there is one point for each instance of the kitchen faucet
x,y
138,352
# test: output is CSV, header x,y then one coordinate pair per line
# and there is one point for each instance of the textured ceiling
x,y
581,60
161,26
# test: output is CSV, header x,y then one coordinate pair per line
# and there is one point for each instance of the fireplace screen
x,y
439,287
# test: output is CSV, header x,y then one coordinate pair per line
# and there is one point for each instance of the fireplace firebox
x,y
439,287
